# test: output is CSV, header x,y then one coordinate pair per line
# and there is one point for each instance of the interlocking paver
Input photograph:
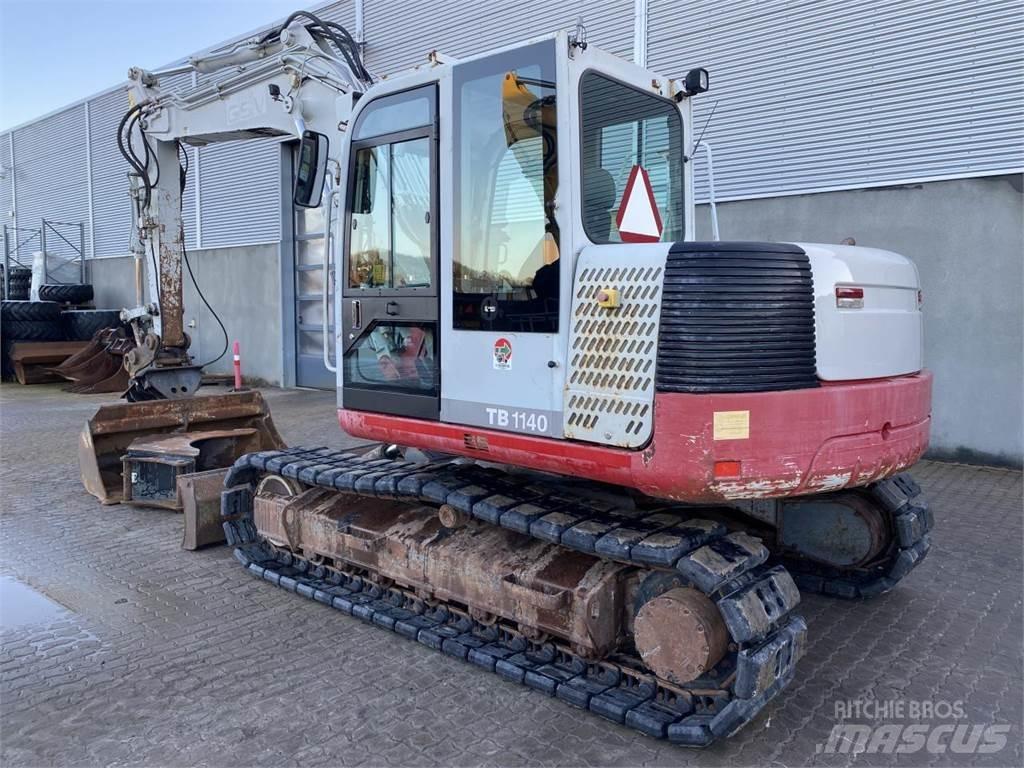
x,y
169,657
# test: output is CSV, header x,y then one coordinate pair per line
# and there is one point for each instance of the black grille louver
x,y
736,317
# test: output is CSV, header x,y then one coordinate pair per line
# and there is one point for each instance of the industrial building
x,y
899,125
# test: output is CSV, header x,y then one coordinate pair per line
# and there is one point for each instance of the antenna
x,y
702,130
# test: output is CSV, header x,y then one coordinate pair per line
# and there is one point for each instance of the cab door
x,y
511,259
389,306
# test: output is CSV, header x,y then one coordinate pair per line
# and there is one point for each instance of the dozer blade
x,y
115,429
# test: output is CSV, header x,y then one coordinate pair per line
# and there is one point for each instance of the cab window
x,y
390,230
624,127
506,258
390,233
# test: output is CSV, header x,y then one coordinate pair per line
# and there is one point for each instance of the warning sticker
x,y
502,354
638,219
732,425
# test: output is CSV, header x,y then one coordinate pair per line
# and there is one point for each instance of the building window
x,y
506,266
623,127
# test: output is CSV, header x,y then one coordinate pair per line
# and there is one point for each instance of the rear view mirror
x,y
312,169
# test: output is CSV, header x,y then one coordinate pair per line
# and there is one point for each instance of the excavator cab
x,y
459,238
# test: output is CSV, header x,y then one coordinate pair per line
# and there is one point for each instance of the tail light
x,y
849,298
727,469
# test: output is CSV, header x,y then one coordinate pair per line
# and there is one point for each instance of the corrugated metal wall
x,y
400,34
812,95
112,216
240,193
111,206
52,182
827,94
6,181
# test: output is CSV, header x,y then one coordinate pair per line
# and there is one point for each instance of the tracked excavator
x,y
609,456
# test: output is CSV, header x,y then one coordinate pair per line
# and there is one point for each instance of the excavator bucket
x,y
99,368
96,344
135,451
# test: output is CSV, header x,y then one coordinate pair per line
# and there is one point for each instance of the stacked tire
x,y
66,293
27,321
18,281
82,324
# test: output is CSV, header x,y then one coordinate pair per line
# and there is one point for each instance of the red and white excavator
x,y
609,453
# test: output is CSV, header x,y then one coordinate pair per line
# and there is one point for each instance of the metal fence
x,y
62,244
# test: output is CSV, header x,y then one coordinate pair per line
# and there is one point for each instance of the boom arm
x,y
301,77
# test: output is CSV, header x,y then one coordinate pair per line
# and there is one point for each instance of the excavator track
x,y
908,520
755,599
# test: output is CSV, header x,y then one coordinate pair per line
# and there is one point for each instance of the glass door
x,y
390,349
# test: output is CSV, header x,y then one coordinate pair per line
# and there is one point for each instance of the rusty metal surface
x,y
153,465
108,435
199,493
39,352
542,588
32,359
680,634
33,374
98,384
99,367
451,517
195,444
93,346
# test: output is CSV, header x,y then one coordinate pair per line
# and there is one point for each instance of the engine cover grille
x,y
736,317
609,389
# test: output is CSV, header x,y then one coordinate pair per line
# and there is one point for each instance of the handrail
x,y
711,191
328,336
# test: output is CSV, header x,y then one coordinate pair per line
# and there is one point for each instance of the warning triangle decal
x,y
638,219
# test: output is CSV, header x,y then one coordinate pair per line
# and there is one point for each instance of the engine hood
x,y
883,337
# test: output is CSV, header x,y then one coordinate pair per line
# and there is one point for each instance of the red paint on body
x,y
840,435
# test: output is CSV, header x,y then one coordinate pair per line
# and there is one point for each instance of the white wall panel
x,y
844,93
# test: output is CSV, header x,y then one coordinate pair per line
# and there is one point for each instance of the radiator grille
x,y
736,317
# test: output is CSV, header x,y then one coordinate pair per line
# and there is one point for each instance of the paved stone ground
x,y
166,657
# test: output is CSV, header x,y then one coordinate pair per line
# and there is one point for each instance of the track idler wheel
x,y
842,530
680,634
856,543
